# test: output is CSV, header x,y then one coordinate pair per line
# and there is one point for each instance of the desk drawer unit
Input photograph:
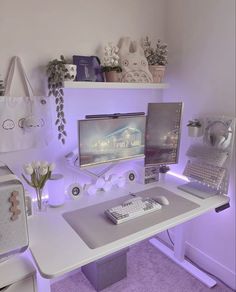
x,y
13,221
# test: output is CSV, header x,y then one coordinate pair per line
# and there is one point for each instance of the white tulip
x,y
44,163
43,170
51,166
28,169
35,164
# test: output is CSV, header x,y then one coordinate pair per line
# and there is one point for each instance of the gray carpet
x,y
148,271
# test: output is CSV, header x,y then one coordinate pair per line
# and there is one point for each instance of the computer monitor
x,y
162,133
106,140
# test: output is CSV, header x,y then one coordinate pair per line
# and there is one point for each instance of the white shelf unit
x,y
113,85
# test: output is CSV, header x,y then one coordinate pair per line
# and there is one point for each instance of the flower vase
x,y
113,76
40,206
71,72
157,72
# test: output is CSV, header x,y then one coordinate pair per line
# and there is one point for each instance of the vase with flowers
x,y
40,172
111,66
157,59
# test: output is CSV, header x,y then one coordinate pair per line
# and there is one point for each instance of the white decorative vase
x,y
72,70
157,72
56,192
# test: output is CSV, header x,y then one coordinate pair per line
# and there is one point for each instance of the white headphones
x,y
218,134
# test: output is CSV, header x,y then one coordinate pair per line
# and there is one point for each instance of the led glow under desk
x,y
57,249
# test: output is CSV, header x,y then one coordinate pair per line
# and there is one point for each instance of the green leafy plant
x,y
157,55
194,123
2,88
117,69
57,72
164,169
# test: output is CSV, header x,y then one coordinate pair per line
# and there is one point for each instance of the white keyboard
x,y
132,208
208,154
207,174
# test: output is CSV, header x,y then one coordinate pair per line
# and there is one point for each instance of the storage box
x,y
107,271
13,221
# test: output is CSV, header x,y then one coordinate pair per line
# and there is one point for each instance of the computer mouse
x,y
162,200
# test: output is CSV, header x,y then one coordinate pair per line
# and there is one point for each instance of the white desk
x,y
57,249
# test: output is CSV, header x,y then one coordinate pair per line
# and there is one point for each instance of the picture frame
x,y
88,69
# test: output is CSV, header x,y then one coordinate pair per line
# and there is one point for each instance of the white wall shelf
x,y
113,85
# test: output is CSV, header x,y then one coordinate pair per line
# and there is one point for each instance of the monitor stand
x,y
72,162
99,174
198,190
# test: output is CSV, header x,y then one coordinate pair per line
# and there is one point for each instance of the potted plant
x,y
194,128
2,88
157,59
57,73
111,66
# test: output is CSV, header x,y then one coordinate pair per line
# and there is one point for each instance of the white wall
x,y
38,31
201,38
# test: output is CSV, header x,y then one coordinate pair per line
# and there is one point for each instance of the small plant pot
x,y
195,131
157,72
72,71
113,76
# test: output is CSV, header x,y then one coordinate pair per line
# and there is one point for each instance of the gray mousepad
x,y
97,230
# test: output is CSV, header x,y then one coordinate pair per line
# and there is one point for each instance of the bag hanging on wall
x,y
25,121
133,62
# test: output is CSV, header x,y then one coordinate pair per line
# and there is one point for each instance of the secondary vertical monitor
x,y
163,133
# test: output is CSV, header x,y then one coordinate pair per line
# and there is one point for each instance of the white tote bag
x,y
25,121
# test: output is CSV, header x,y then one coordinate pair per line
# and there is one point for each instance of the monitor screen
x,y
106,140
162,133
